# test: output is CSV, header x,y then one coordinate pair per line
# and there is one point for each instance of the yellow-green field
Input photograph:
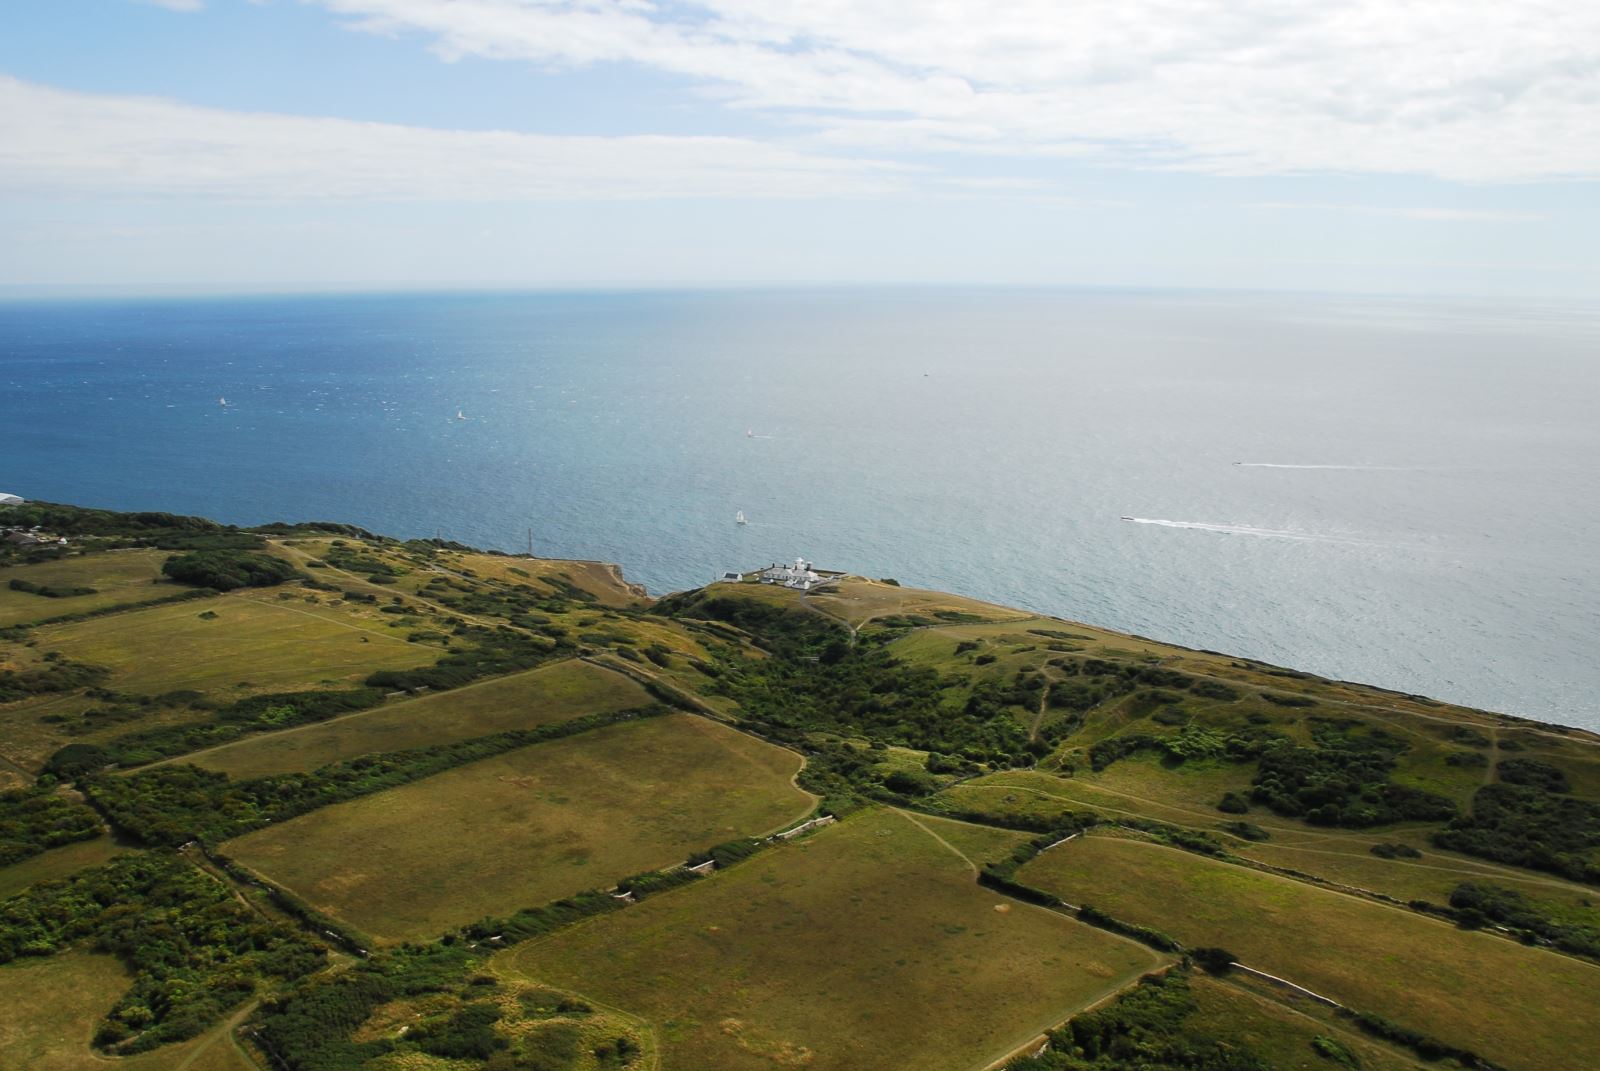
x,y
531,826
1522,1007
118,577
256,642
49,1009
866,945
57,863
543,696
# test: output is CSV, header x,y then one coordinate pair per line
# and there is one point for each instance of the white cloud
x,y
1459,89
175,5
58,142
1417,212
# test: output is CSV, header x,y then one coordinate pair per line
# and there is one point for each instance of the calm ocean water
x,y
1417,506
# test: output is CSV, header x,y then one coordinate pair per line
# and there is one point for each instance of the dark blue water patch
x,y
1415,506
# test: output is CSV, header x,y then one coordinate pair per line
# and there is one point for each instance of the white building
x,y
730,577
799,575
10,500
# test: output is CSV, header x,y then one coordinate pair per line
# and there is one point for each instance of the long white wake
x,y
1343,468
1260,533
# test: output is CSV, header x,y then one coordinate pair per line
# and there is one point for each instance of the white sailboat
x,y
460,415
222,402
749,433
738,518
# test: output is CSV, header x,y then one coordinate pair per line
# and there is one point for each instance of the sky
x,y
1429,147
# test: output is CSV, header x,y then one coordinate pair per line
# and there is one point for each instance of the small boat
x,y
738,518
460,415
1127,518
222,401
749,433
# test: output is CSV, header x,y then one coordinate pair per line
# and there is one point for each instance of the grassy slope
x,y
542,696
1525,1008
867,945
532,826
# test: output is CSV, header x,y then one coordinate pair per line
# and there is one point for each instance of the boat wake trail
x,y
1260,533
1342,468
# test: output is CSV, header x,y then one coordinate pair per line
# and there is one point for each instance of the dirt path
x,y
908,816
226,1031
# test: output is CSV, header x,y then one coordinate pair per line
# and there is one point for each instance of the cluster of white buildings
x,y
800,575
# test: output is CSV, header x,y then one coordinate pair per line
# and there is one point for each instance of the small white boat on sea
x,y
222,402
460,415
749,433
738,518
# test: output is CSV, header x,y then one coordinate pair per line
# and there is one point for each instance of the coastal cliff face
x,y
380,767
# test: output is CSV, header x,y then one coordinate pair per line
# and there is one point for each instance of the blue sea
x,y
1402,492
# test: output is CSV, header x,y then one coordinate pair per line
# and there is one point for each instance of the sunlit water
x,y
1414,502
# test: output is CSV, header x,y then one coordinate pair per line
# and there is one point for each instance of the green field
x,y
52,1007
118,577
542,696
1522,1007
255,643
864,946
531,826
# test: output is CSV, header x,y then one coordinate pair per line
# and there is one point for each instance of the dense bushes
x,y
258,713
815,680
225,570
1535,774
494,652
1529,826
193,949
1476,904
1343,781
30,588
34,820
56,675
1145,1029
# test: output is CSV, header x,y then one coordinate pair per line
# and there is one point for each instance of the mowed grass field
x,y
49,1009
118,577
1522,1007
253,644
867,945
531,826
542,696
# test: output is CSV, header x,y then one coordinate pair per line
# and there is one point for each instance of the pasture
x,y
866,945
1522,1007
531,826
117,577
53,1005
543,696
255,643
